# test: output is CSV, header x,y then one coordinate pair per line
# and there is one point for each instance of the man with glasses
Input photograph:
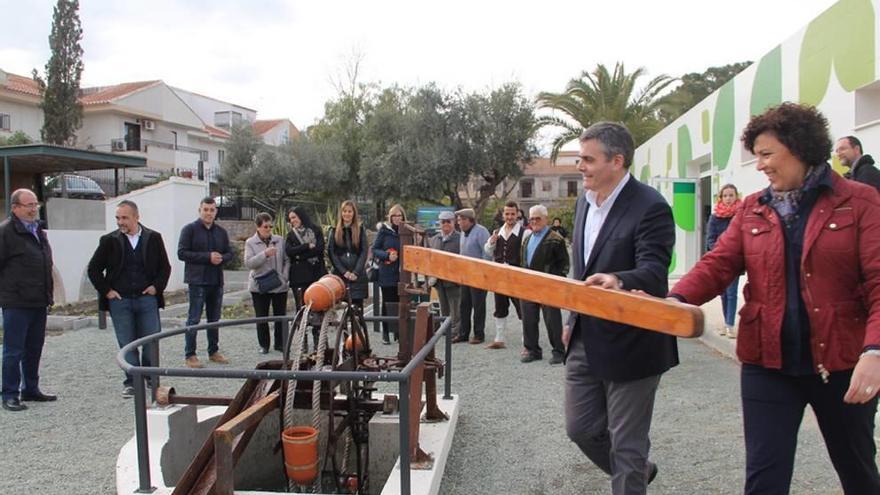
x,y
25,296
449,293
543,250
130,270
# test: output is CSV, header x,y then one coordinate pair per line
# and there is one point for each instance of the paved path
x,y
510,437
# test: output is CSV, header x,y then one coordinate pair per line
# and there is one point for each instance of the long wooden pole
x,y
647,312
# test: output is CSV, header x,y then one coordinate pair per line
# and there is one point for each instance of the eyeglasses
x,y
535,219
397,215
28,205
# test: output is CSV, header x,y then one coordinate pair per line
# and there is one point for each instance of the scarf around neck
x,y
786,203
305,235
722,210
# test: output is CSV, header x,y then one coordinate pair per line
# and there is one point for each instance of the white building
x,y
830,63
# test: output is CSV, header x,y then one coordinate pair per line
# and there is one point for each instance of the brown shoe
x,y
457,339
193,362
496,345
475,341
218,358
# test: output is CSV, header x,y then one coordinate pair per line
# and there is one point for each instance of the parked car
x,y
77,186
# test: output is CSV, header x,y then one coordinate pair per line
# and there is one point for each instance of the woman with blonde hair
x,y
725,207
386,248
347,250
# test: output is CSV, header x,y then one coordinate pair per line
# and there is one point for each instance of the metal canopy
x,y
52,159
48,158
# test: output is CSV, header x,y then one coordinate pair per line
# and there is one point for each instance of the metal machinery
x,y
336,380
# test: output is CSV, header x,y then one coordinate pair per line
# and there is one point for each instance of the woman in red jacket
x,y
809,332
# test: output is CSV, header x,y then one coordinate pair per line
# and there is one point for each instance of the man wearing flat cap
x,y
448,239
473,238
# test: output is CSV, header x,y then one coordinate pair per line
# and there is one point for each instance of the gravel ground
x,y
510,437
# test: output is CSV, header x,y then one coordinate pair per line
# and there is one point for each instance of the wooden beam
x,y
647,312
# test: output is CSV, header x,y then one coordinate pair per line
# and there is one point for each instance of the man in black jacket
x,y
130,270
861,167
543,250
623,239
204,248
25,296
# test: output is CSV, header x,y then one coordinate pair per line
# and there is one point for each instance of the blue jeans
x,y
728,302
24,331
209,297
133,318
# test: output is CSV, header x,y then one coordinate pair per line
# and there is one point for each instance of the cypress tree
x,y
62,112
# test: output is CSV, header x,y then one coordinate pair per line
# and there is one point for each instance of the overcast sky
x,y
279,57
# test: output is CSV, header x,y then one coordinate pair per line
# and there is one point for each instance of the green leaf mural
x,y
767,88
645,176
684,200
722,126
842,37
685,151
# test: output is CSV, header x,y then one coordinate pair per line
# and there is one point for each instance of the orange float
x,y
301,453
325,293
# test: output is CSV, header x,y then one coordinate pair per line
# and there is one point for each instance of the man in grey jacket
x,y
449,293
473,238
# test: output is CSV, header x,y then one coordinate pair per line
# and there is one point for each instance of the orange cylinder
x,y
325,293
301,453
353,341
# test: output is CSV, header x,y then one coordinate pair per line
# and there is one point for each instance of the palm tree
x,y
602,95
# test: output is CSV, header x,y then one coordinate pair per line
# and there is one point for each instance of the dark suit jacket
x,y
635,244
105,267
865,172
551,255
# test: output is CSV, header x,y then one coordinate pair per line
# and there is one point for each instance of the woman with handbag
x,y
267,280
305,248
347,250
385,249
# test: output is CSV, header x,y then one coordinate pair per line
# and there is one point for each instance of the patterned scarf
x,y
723,210
305,235
786,203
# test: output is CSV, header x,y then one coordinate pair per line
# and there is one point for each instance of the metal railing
x,y
402,377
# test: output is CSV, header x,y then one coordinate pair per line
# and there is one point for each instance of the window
x,y
525,189
571,188
546,186
227,119
5,122
221,155
174,138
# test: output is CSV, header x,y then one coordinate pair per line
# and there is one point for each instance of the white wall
x,y
71,252
23,117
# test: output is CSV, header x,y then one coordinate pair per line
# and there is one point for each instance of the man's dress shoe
x,y
39,397
13,405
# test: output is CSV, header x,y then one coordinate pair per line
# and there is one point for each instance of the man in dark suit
x,y
861,166
130,270
623,239
543,250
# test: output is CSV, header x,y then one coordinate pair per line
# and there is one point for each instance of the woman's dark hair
x,y
801,128
303,217
262,218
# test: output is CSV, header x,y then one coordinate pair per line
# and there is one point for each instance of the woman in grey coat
x,y
264,252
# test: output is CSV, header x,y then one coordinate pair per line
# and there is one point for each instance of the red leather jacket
x,y
840,276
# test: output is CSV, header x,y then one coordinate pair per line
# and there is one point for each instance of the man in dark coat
x,y
130,270
861,166
543,250
204,248
623,239
25,295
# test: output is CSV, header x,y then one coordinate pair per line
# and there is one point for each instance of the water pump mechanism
x,y
324,431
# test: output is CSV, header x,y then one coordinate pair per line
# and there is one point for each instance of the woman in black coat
x,y
347,250
305,248
386,248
